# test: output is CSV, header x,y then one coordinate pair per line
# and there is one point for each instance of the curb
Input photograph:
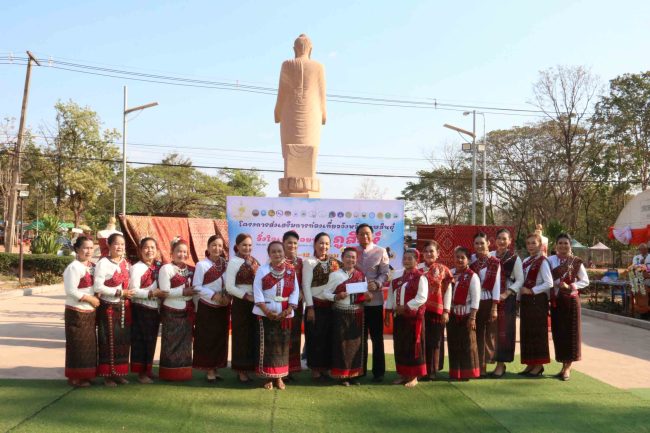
x,y
31,291
630,321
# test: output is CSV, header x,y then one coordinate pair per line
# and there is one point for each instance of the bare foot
x,y
432,376
243,377
411,383
120,380
110,383
73,382
85,384
398,381
280,383
268,385
315,375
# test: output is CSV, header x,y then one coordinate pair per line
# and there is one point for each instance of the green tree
x,y
81,155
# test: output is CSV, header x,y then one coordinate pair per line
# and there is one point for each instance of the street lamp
x,y
127,111
473,135
483,149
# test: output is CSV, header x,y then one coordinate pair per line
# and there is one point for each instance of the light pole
x,y
473,135
125,112
467,113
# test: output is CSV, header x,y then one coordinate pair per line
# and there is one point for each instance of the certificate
x,y
354,288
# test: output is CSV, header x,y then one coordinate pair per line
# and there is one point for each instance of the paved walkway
x,y
32,344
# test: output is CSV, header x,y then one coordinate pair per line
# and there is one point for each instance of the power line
x,y
329,173
221,85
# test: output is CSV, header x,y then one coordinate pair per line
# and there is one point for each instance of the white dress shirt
x,y
141,295
582,277
516,279
72,276
208,290
544,280
473,296
420,297
105,270
270,296
175,298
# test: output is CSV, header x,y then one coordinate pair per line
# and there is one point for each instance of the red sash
x,y
214,273
492,264
462,281
412,281
119,278
507,261
178,279
357,277
533,266
269,281
246,273
150,275
439,276
566,272
87,280
297,265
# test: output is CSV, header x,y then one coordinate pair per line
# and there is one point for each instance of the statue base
x,y
303,187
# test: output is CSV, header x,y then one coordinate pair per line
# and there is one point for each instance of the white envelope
x,y
354,288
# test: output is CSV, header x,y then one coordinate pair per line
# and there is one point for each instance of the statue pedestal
x,y
303,187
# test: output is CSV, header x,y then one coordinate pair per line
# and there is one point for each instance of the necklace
x,y
325,264
278,272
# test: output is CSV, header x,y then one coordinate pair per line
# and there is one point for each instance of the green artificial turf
x,y
513,404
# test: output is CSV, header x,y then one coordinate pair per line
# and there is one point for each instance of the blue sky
x,y
471,52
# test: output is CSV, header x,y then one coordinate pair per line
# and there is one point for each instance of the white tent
x,y
600,254
633,223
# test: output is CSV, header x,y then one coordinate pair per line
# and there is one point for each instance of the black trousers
x,y
374,317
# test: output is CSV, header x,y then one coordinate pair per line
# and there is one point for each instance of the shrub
x,y
35,262
46,278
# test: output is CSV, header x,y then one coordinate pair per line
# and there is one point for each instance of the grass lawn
x,y
507,405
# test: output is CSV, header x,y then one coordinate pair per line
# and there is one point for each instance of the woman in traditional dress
x,y
177,314
240,275
213,313
145,306
569,276
315,274
406,299
80,304
290,241
440,280
114,313
512,278
461,306
488,269
348,333
533,309
276,296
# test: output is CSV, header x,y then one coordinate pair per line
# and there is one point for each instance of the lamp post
x,y
467,113
473,135
23,193
125,112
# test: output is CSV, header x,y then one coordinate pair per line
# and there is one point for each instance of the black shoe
x,y
493,375
524,372
536,375
345,383
378,379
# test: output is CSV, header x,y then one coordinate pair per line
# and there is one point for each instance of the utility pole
x,y
10,224
474,167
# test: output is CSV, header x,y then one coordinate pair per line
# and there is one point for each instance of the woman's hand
x,y
471,324
387,317
401,309
248,297
91,300
445,317
340,296
157,293
188,291
494,314
526,291
128,294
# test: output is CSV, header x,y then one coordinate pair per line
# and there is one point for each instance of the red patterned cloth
x,y
215,272
449,237
179,279
119,278
297,265
288,278
200,231
357,277
88,279
507,266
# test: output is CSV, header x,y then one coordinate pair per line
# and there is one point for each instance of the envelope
x,y
354,288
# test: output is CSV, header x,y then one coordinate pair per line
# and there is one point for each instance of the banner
x,y
268,218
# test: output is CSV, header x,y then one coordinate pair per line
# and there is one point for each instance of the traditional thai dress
x,y
488,270
277,289
295,365
565,306
113,317
512,278
348,333
315,275
461,341
409,289
79,317
212,320
533,311
177,317
240,275
439,280
146,316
